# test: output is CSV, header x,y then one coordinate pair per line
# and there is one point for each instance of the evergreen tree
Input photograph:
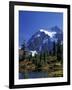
x,y
44,56
23,47
47,53
50,52
30,57
35,58
59,51
54,48
40,57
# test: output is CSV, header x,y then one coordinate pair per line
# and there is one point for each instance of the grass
x,y
58,73
52,66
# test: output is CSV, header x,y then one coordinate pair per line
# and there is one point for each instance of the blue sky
x,y
31,22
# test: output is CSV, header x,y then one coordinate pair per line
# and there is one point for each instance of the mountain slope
x,y
43,39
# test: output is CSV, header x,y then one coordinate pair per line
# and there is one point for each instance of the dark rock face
x,y
43,39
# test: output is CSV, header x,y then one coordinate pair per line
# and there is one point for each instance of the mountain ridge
x,y
43,39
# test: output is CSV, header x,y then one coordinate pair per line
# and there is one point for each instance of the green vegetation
x,y
52,61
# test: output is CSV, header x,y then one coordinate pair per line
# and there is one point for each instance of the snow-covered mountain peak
x,y
43,40
49,33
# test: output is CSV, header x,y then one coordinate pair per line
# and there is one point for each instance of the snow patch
x,y
49,33
38,35
33,53
54,39
45,40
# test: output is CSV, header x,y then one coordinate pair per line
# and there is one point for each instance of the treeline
x,y
42,58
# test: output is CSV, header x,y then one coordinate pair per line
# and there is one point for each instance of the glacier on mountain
x,y
49,33
43,40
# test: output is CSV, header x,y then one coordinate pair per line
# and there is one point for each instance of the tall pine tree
x,y
54,48
59,51
23,48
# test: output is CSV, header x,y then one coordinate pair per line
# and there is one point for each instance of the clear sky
x,y
31,22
